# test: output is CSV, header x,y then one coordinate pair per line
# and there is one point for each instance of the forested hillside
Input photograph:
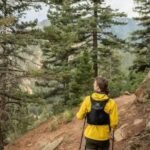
x,y
47,68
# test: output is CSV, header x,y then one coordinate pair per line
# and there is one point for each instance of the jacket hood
x,y
99,96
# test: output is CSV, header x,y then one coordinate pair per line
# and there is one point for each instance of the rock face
x,y
120,134
139,142
134,131
138,121
148,123
148,126
124,132
142,140
34,63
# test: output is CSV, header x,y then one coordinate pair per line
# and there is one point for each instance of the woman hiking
x,y
101,114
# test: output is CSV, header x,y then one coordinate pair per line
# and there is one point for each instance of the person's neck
x,y
99,92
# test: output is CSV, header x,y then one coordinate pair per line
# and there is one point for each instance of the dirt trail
x,y
131,123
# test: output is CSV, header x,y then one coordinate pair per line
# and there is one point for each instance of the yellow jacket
x,y
99,132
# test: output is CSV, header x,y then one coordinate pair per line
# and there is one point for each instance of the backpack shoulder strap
x,y
101,104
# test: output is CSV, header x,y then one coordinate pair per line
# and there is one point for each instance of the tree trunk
x,y
95,41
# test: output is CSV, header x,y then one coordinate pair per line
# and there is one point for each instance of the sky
x,y
123,6
40,15
126,6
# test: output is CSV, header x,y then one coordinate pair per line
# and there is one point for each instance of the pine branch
x,y
13,102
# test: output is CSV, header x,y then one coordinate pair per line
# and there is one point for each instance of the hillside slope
x,y
131,124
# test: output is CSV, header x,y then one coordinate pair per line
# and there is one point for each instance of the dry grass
x,y
60,119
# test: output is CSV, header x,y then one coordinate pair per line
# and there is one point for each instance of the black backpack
x,y
97,115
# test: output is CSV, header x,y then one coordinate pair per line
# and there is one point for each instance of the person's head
x,y
101,85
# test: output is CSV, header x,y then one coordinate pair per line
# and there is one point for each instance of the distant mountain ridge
x,y
122,31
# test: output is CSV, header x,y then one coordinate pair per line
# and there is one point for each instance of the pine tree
x,y
81,79
141,38
74,29
97,19
14,39
62,37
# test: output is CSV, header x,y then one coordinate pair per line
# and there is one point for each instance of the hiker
x,y
101,114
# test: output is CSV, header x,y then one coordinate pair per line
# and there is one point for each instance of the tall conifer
x,y
141,37
77,26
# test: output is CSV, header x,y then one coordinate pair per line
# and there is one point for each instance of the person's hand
x,y
112,134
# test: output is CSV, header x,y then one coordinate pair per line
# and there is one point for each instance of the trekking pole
x,y
113,139
82,134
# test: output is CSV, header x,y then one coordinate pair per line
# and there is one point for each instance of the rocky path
x,y
67,136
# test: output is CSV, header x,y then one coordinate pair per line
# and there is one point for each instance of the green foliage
x,y
60,118
76,33
54,124
116,86
14,41
125,83
141,38
133,81
81,79
19,123
67,116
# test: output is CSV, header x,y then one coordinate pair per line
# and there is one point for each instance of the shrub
x,y
54,124
68,115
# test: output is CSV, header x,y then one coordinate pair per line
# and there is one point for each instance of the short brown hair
x,y
102,84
